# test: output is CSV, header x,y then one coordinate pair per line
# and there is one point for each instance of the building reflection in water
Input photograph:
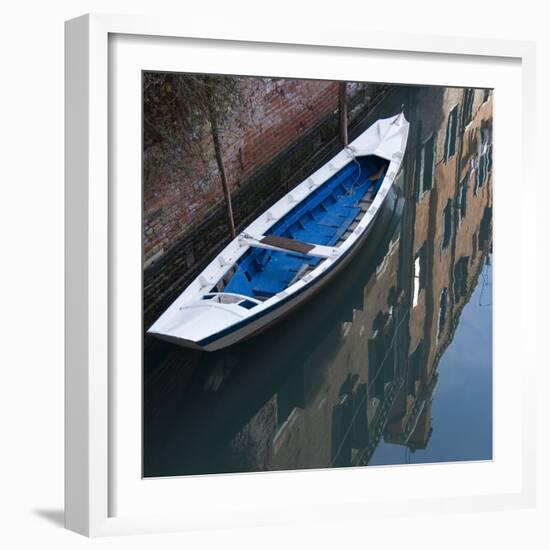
x,y
358,364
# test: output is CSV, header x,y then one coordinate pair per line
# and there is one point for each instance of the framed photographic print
x,y
281,292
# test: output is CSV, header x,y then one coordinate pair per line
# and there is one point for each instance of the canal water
x,y
391,364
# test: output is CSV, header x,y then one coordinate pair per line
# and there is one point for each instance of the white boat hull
x,y
203,317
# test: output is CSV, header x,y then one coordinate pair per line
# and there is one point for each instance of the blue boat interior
x,y
326,217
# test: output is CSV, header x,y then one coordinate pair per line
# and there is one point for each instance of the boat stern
x,y
196,325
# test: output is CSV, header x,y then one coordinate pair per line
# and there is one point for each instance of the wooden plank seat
x,y
292,246
287,244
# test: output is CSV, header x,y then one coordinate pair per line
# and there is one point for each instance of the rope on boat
x,y
351,152
394,121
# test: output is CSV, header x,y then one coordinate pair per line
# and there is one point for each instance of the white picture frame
x,y
99,402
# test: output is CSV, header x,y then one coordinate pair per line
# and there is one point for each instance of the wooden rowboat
x,y
291,250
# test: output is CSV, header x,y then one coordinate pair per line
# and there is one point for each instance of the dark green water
x,y
391,364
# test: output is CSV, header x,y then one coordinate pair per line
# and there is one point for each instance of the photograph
x,y
266,240
316,274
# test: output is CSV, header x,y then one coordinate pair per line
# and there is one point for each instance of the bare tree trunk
x,y
221,168
343,112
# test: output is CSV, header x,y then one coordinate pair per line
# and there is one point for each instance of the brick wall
x,y
183,187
